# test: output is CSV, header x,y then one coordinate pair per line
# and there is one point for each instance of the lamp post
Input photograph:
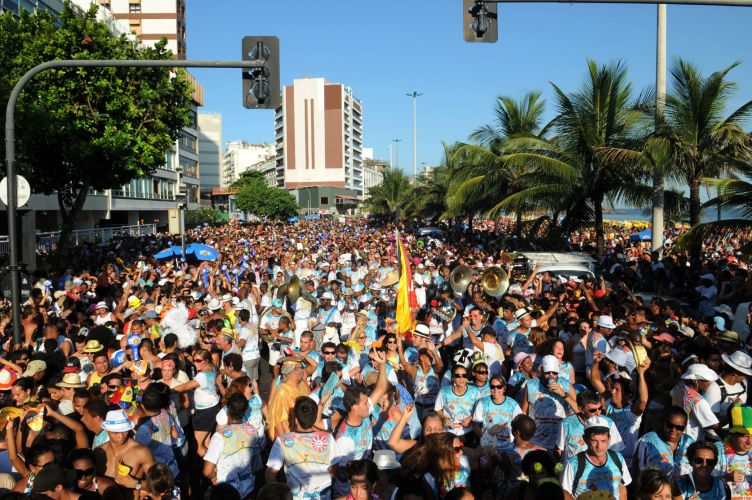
x,y
396,150
656,243
415,96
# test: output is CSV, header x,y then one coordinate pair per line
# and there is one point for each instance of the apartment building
x,y
240,156
209,151
319,142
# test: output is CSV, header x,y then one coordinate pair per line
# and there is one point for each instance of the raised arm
x,y
396,442
381,383
638,407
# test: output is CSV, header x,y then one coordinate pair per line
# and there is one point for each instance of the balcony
x,y
120,193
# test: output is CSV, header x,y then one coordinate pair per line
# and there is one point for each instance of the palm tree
x,y
700,140
390,195
569,170
428,195
479,174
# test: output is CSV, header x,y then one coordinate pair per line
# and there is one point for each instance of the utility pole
x,y
656,243
415,96
396,142
390,155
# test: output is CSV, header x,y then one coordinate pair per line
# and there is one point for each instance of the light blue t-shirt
x,y
456,408
607,477
652,450
686,487
489,414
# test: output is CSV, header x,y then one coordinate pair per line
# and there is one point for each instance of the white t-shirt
x,y
251,349
699,419
306,458
206,395
733,392
236,468
494,355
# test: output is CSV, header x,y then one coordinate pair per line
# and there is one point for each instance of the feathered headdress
x,y
176,321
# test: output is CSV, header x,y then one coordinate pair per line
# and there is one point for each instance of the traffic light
x,y
261,85
481,21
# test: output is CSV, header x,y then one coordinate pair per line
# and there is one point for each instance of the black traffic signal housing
x,y
261,88
481,21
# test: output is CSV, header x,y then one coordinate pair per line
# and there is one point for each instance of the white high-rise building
x,y
210,150
240,156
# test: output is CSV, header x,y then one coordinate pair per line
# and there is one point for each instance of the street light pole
x,y
390,156
415,96
396,154
656,243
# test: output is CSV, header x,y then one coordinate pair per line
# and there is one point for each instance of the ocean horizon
x,y
708,215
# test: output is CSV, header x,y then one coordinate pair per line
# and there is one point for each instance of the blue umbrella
x,y
202,252
645,235
292,219
169,252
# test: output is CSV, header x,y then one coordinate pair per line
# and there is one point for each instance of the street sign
x,y
22,188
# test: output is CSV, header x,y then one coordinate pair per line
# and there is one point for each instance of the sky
x,y
384,49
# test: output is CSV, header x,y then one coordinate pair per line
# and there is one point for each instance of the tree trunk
x,y
599,236
70,216
694,201
518,224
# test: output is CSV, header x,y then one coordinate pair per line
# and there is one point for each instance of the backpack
x,y
724,391
581,466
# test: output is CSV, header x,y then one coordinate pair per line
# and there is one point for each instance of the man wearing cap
x,y
269,327
571,432
127,460
69,384
547,399
598,468
328,315
735,452
688,395
597,339
731,386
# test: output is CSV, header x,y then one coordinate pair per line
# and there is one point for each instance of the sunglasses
x,y
53,461
82,473
460,375
593,410
114,387
681,428
481,372
328,352
392,342
704,461
457,448
496,386
197,360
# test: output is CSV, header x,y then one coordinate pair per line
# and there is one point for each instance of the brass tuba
x,y
460,278
495,281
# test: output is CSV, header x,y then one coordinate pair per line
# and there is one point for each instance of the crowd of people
x,y
278,370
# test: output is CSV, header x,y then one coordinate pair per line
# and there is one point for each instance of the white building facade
x,y
240,156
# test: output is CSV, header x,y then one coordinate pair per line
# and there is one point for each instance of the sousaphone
x,y
460,278
495,281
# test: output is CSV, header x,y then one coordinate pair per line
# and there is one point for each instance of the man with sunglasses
x,y
572,430
735,452
666,449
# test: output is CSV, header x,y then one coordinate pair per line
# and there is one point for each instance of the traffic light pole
x,y
14,266
729,3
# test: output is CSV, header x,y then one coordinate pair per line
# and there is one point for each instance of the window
x,y
324,200
134,8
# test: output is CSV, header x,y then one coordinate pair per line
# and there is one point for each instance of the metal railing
x,y
47,242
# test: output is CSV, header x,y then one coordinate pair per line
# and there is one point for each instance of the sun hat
x,y
277,303
215,305
728,336
422,330
687,331
665,337
597,423
71,381
150,315
741,419
93,346
723,309
227,332
117,421
391,278
739,361
386,460
327,296
605,321
35,367
227,297
51,476
102,305
520,357
7,379
520,313
134,301
549,363
617,357
698,371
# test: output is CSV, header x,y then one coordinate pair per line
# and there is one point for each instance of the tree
x,y
249,177
87,129
700,139
390,195
261,200
204,215
428,195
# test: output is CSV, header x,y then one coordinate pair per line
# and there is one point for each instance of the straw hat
x,y
93,346
71,381
392,278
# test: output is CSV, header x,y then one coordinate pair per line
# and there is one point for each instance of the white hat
x,y
618,357
698,371
687,331
386,460
327,296
215,305
598,423
739,361
724,309
117,421
422,330
102,305
605,321
227,298
549,363
520,313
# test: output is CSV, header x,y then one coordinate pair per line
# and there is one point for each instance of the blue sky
x,y
384,49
